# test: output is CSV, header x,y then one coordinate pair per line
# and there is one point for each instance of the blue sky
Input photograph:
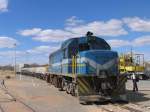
x,y
39,26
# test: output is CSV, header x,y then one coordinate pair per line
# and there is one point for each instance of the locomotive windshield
x,y
84,47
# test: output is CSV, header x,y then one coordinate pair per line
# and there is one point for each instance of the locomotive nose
x,y
101,62
102,74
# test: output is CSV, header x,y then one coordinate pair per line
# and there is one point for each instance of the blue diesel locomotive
x,y
86,67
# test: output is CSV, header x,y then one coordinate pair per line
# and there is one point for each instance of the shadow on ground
x,y
107,102
132,97
136,97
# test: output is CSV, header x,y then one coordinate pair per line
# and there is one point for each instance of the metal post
x,y
15,58
72,64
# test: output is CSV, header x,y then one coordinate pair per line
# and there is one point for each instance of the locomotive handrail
x,y
74,64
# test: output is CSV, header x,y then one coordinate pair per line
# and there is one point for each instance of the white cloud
x,y
7,42
42,50
39,54
53,35
138,24
118,43
111,28
73,21
11,53
147,56
47,34
8,57
3,5
35,55
140,41
30,32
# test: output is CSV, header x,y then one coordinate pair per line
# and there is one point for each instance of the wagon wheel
x,y
76,90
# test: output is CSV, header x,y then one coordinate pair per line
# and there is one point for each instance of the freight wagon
x,y
86,67
39,72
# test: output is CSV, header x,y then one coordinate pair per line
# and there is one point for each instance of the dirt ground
x,y
5,73
28,94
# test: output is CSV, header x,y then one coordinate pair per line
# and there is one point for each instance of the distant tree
x,y
7,67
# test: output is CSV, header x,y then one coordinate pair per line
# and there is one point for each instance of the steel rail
x,y
16,99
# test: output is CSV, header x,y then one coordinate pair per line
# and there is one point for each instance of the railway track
x,y
110,107
15,99
122,108
107,107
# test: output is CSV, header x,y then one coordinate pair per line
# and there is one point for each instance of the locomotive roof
x,y
80,40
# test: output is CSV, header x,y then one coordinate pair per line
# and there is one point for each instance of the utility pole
x,y
15,58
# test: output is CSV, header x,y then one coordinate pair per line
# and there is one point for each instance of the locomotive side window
x,y
84,47
65,53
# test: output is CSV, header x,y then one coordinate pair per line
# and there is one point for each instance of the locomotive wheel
x,y
51,79
73,90
48,78
63,85
68,89
76,90
55,82
60,84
